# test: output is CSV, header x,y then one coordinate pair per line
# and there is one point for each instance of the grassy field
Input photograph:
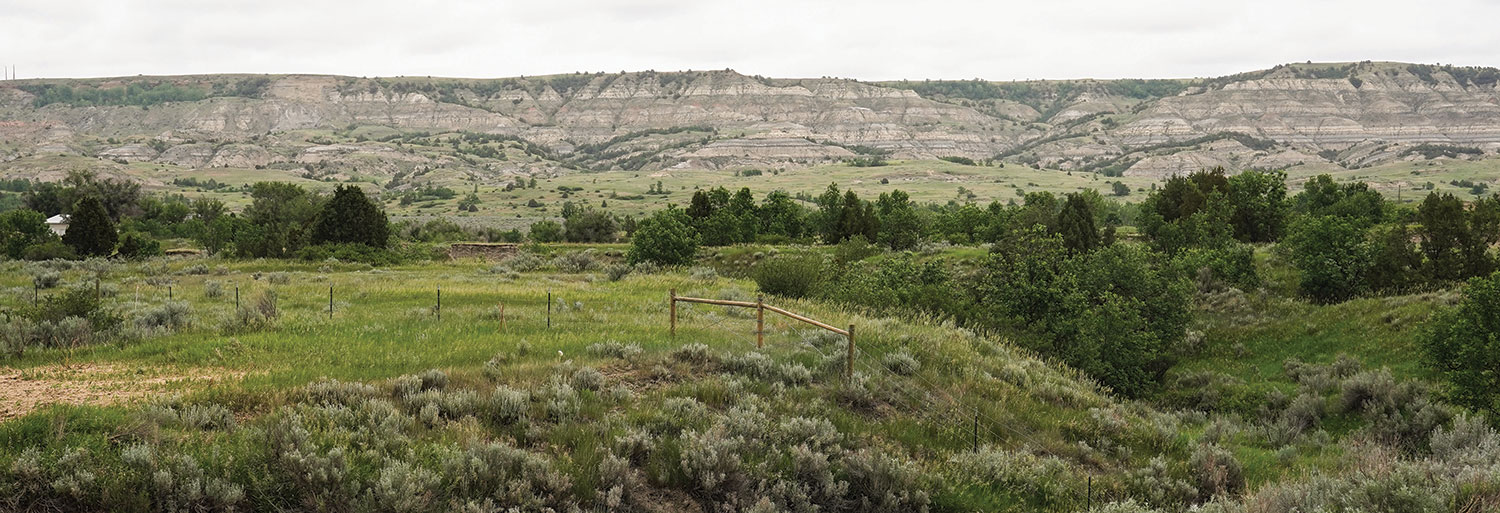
x,y
386,325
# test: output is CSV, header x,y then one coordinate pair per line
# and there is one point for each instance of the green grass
x,y
384,325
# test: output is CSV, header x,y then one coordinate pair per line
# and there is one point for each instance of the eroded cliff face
x,y
1285,116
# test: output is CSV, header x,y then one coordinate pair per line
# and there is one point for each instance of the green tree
x,y
1321,196
780,215
829,215
1331,256
135,245
351,218
665,238
1453,250
221,234
900,226
857,217
1395,263
1189,211
546,231
1111,313
279,218
1258,199
591,226
1463,344
90,230
1076,225
20,229
208,209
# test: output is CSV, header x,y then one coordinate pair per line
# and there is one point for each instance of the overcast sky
x,y
867,39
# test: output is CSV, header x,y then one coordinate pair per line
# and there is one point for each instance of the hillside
x,y
486,130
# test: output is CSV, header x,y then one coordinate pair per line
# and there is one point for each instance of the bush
x,y
279,278
260,314
588,378
1232,265
1046,481
576,261
794,276
45,278
711,463
525,262
559,400
400,487
169,316
883,483
902,363
508,405
341,393
49,250
1463,345
666,238
213,289
136,245
854,249
615,350
617,272
694,353
1331,254
1218,472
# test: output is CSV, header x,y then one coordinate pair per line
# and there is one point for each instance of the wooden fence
x,y
761,307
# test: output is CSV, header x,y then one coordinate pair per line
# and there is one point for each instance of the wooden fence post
x,y
760,322
672,300
849,367
502,317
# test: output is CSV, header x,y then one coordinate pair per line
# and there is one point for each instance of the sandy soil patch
x,y
24,390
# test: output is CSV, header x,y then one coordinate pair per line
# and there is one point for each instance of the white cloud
x,y
873,39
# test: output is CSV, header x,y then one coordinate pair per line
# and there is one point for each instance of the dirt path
x,y
24,390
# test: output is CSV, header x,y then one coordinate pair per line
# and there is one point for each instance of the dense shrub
x,y
789,275
902,363
1463,345
1218,472
665,238
1112,313
576,261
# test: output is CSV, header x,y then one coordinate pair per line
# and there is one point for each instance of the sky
x,y
867,40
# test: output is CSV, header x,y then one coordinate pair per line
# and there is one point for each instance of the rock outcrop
x,y
1348,114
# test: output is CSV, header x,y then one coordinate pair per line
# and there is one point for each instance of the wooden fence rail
x,y
761,307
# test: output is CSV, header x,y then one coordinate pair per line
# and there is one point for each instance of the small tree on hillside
x,y
351,218
665,238
546,231
1464,345
1332,256
1076,224
90,231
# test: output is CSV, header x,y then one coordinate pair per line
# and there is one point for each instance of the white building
x,y
58,224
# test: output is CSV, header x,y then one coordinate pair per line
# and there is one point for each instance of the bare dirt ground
x,y
24,390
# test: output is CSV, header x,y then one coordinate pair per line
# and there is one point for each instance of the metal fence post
x,y
673,311
549,308
440,303
330,301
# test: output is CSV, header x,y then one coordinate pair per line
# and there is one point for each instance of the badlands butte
x,y
1396,125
